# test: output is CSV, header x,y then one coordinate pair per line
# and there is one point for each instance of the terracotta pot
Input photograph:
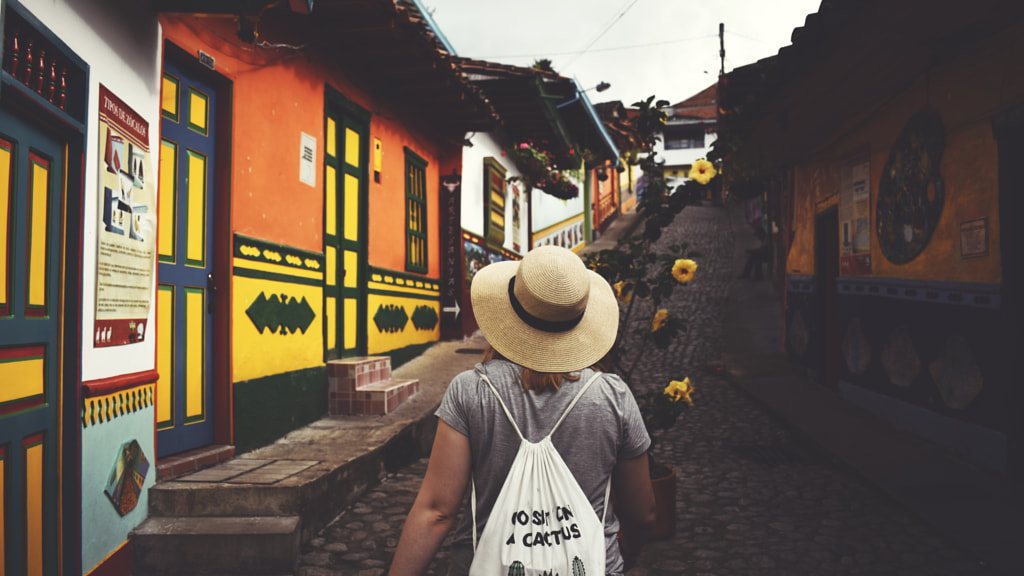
x,y
665,504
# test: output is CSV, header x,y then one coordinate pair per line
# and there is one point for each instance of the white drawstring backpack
x,y
542,523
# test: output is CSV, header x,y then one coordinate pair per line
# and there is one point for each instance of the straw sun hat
x,y
547,312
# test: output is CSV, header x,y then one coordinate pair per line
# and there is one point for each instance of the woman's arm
x,y
436,504
634,499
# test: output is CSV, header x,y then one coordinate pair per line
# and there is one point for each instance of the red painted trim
x,y
32,440
117,564
113,384
22,404
25,352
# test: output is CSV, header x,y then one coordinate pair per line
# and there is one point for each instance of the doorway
x,y
826,266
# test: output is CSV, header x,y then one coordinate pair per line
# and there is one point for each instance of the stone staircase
x,y
249,515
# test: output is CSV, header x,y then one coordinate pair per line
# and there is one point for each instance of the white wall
x,y
486,146
120,42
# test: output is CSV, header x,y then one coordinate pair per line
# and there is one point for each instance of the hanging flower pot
x,y
557,185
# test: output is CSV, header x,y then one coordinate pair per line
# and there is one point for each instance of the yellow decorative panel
x,y
352,273
380,342
332,324
169,97
5,219
351,207
331,256
332,137
198,110
195,308
331,200
351,147
195,253
165,356
39,204
34,507
378,155
23,373
168,195
350,323
274,349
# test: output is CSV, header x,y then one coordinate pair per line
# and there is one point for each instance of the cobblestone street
x,y
753,497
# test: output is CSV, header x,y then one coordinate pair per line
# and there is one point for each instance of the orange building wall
x,y
278,96
967,92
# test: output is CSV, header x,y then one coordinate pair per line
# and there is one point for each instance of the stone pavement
x,y
755,495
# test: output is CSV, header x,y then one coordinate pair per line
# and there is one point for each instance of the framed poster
x,y
974,238
126,234
855,214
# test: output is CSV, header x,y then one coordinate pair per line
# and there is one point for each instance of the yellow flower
x,y
680,391
621,293
702,171
659,320
683,270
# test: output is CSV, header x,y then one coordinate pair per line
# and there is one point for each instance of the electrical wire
x,y
600,34
610,49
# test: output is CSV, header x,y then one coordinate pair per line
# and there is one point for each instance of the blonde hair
x,y
533,380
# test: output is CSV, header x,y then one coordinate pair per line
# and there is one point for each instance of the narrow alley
x,y
753,495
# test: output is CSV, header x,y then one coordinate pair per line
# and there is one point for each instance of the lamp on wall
x,y
601,87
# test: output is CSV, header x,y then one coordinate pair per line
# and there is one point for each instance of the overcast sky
x,y
668,48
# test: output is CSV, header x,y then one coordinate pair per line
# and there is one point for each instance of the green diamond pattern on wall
x,y
424,318
390,318
284,314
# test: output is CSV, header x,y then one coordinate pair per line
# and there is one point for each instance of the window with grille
x,y
415,212
494,204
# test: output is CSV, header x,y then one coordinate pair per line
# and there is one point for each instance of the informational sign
x,y
451,262
126,246
307,159
855,215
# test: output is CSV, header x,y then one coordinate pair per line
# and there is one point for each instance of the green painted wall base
x,y
403,355
268,408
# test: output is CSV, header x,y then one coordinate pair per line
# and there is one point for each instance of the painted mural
x,y
911,190
404,310
277,319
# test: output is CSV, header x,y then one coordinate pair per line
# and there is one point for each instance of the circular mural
x,y
900,358
910,192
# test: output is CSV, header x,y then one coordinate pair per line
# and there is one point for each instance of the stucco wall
x,y
966,92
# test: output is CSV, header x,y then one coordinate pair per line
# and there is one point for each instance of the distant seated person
x,y
757,254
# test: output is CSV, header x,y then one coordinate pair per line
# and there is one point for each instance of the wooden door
x,y
345,196
32,183
184,400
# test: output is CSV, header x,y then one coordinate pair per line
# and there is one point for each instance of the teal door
x,y
31,202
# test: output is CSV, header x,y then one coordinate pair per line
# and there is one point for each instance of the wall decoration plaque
x,y
910,191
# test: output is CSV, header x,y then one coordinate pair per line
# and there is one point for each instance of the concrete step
x,y
249,545
170,467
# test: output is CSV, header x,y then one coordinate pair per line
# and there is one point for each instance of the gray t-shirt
x,y
603,428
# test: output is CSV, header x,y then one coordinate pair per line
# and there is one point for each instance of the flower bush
x,y
645,274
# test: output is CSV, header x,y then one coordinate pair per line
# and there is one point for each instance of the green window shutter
x,y
494,204
415,213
